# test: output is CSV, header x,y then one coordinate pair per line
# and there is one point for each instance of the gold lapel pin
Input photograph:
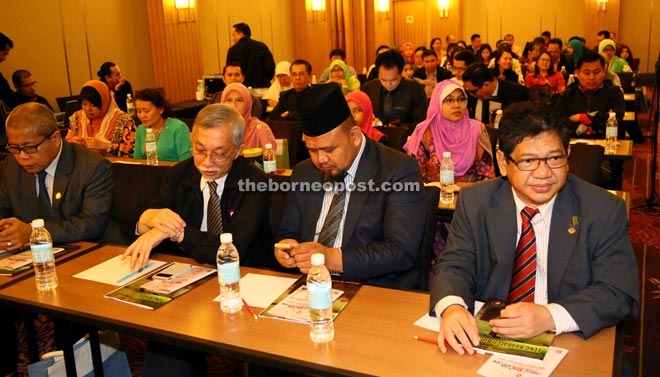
x,y
571,230
58,196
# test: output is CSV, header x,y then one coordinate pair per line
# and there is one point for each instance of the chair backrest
x,y
585,161
396,137
423,262
626,79
493,134
62,101
292,132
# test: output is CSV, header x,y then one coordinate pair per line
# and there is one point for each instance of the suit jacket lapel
x,y
502,228
62,176
564,231
367,169
197,200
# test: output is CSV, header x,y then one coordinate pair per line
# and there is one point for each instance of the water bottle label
x,y
42,253
447,177
270,166
319,295
611,132
229,273
150,146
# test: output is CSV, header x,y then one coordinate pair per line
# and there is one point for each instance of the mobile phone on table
x,y
172,271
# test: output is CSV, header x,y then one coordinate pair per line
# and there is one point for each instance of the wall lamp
x,y
185,10
443,7
601,5
318,8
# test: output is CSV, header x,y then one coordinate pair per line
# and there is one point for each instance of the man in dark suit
x,y
573,269
430,74
110,74
46,177
301,77
366,224
488,94
180,213
396,101
255,57
26,90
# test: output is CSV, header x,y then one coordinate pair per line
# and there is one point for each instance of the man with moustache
x,y
301,77
370,236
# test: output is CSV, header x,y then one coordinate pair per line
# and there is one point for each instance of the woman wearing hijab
x,y
576,51
613,63
448,128
363,114
100,125
257,133
408,51
339,74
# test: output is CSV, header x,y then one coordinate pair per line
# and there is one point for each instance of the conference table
x,y
373,334
623,153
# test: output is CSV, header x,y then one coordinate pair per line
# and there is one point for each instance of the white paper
x,y
113,271
259,291
500,365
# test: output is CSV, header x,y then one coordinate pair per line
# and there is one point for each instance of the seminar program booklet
x,y
149,293
292,305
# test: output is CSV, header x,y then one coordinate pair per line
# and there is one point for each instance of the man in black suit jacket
x,y
396,101
301,77
378,230
74,197
488,94
255,57
430,74
110,74
179,213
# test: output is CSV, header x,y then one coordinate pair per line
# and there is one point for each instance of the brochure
x,y
14,262
292,305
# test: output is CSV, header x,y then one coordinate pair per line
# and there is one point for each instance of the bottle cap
x,y
38,223
446,154
498,112
269,146
318,259
150,130
226,238
612,114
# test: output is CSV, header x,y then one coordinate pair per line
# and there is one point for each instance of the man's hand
x,y
523,320
283,256
164,219
140,249
459,329
121,82
302,254
15,234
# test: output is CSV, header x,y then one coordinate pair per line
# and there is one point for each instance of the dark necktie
x,y
44,206
332,220
485,111
213,211
388,104
524,267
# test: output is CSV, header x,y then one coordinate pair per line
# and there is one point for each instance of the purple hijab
x,y
460,138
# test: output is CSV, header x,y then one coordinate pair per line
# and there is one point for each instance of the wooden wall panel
x,y
596,20
312,39
442,26
176,50
409,22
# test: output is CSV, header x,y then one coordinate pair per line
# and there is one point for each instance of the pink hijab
x,y
367,124
460,138
257,133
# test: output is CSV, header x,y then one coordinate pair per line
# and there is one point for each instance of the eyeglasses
x,y
530,164
28,149
473,92
450,101
213,157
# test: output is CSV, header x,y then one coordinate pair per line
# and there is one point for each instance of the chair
x,y
396,137
69,108
494,143
626,79
423,261
62,101
292,132
585,161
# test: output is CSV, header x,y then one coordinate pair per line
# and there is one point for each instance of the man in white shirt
x,y
579,274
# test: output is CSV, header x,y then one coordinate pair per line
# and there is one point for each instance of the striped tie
x,y
524,267
213,212
332,220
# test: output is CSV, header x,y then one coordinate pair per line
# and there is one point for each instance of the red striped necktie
x,y
524,267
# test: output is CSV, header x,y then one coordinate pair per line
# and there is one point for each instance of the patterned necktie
x,y
332,220
213,211
44,206
524,267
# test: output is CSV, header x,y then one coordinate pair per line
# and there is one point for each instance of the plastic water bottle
x,y
229,275
43,259
130,107
446,178
611,132
498,117
150,147
319,287
270,160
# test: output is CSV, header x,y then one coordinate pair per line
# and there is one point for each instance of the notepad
x,y
114,271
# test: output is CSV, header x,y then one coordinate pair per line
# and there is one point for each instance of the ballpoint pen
x,y
136,272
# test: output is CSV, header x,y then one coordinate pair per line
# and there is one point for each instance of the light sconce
x,y
185,10
318,8
443,7
601,5
383,9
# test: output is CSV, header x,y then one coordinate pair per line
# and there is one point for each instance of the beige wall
x,y
64,42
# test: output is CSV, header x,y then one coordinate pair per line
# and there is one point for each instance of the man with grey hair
x,y
46,177
185,213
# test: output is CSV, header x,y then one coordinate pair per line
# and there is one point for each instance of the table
x,y
373,335
616,159
188,108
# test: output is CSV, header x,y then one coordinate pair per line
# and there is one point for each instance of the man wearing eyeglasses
x,y
301,77
200,198
26,90
553,246
68,186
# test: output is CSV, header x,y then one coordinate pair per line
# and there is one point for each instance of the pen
x,y
138,271
249,309
435,341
